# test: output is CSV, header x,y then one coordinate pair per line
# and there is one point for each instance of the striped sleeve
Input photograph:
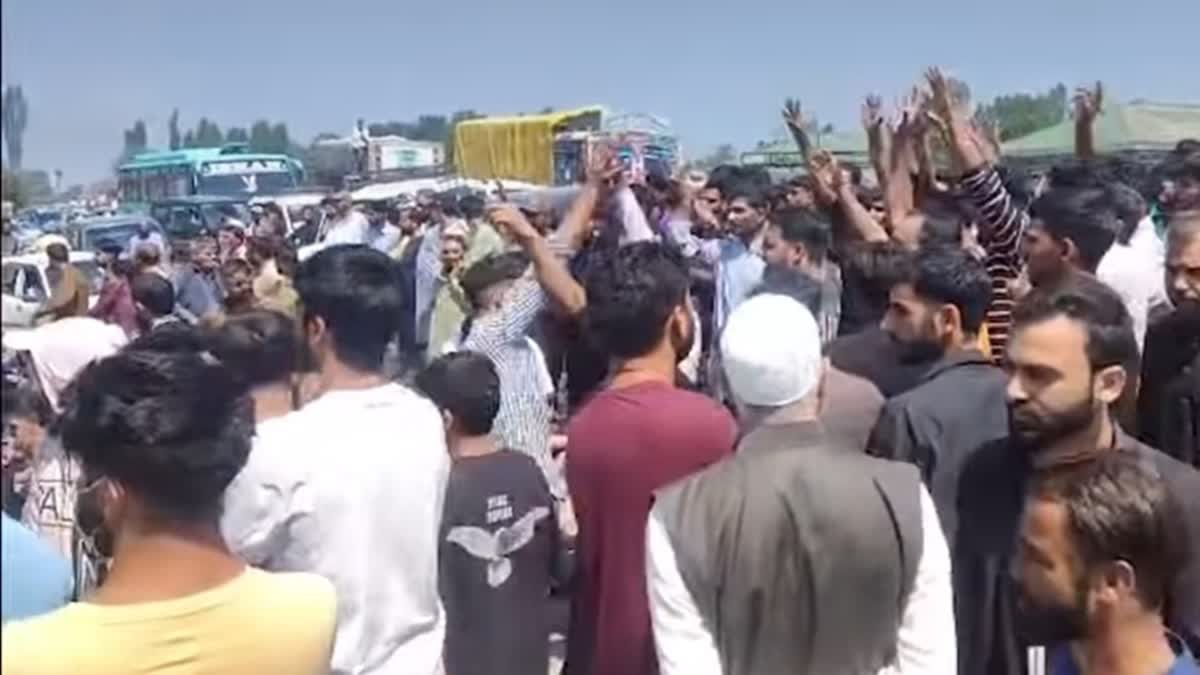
x,y
1003,226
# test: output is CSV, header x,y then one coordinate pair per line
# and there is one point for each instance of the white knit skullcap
x,y
771,351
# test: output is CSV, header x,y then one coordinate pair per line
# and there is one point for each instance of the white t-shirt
x,y
1135,272
351,487
349,230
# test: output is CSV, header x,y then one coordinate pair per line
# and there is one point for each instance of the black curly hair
x,y
171,426
631,293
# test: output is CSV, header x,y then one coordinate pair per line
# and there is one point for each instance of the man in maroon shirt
x,y
634,437
115,304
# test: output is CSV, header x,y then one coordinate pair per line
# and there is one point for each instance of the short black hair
x,y
177,336
943,223
58,253
1183,166
755,196
494,269
172,427
1019,183
801,226
154,292
1187,145
27,402
466,385
874,268
631,293
236,266
1083,215
472,206
1087,300
1120,509
260,347
1079,174
447,203
356,291
1129,207
722,177
952,276
792,283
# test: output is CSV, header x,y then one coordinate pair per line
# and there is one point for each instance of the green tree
x,y
208,134
173,135
12,189
189,139
36,185
280,140
237,135
260,136
135,141
1021,114
14,115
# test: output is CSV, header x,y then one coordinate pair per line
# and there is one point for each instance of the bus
x,y
229,171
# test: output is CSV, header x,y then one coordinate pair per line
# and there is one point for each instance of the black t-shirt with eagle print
x,y
499,553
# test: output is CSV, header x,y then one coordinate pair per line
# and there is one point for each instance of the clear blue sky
x,y
717,71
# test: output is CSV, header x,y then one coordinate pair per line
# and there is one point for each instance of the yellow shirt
x,y
257,623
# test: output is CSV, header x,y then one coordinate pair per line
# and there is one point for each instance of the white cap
x,y
771,351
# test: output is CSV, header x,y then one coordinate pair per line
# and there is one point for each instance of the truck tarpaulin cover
x,y
520,148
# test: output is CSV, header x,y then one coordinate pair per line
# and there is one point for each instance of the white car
x,y
26,287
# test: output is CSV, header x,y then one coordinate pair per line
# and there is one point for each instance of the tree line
x,y
273,137
1014,115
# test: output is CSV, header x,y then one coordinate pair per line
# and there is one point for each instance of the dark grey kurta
x,y
800,556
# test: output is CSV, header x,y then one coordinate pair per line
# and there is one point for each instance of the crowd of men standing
x,y
949,423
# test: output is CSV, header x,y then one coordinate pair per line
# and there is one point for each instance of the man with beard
x,y
1070,230
1169,401
1069,359
798,239
1181,184
935,315
1098,547
634,437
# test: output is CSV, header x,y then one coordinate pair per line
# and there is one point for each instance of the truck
x,y
554,148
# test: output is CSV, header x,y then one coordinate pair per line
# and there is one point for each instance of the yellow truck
x,y
552,148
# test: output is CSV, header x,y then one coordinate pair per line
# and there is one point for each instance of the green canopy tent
x,y
848,146
1137,127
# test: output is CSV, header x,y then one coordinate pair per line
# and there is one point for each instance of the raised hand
x,y
941,100
827,176
510,219
793,114
872,113
1089,102
911,120
603,167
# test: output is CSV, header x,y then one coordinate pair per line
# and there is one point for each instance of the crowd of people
x,y
945,421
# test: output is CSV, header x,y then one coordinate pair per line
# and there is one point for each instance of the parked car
x,y
26,286
185,218
90,233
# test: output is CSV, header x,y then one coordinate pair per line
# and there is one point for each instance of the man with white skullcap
x,y
797,554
